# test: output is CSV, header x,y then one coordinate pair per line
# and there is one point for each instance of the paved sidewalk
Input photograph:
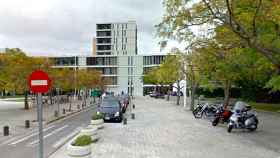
x,y
163,130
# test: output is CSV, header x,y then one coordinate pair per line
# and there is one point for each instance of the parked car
x,y
111,109
157,95
175,93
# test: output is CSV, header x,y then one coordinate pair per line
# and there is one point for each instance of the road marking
x,y
68,137
34,143
29,136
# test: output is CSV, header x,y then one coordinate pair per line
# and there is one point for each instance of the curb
x,y
62,118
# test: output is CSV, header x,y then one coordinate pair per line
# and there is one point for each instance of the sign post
x,y
39,83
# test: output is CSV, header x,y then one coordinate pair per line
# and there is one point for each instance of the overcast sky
x,y
66,27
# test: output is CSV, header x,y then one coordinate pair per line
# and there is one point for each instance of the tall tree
x,y
256,22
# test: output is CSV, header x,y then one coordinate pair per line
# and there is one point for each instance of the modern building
x,y
115,55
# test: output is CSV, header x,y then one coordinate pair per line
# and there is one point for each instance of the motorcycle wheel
x,y
253,129
216,121
230,127
197,113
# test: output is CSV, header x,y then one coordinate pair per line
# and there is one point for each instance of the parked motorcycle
x,y
204,110
242,119
222,115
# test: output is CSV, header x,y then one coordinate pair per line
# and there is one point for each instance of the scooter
x,y
222,115
241,119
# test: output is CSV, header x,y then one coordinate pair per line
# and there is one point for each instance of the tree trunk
x,y
227,86
26,106
193,91
178,93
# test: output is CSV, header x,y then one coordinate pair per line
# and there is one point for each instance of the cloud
x,y
66,27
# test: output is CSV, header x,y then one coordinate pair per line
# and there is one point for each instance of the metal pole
x,y
58,104
40,122
75,78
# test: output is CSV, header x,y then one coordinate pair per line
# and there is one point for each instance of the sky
x,y
66,27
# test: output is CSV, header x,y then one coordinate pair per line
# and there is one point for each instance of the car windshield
x,y
110,103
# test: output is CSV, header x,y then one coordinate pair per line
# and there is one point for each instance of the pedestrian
x,y
103,95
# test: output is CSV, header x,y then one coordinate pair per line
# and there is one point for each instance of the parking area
x,y
164,130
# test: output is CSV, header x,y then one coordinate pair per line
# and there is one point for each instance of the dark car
x,y
111,109
175,93
157,95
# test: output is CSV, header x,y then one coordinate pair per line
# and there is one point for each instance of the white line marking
x,y
29,136
46,136
63,140
10,140
39,82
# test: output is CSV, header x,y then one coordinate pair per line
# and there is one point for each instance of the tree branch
x,y
236,27
255,18
212,11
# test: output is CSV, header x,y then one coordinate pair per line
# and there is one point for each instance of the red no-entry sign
x,y
39,82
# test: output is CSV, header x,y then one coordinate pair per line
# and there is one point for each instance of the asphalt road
x,y
55,135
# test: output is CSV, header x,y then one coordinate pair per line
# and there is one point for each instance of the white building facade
x,y
116,56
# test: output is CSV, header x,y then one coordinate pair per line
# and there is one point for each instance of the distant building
x,y
115,55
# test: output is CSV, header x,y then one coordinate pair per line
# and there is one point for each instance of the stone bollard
x,y
64,111
55,113
132,116
6,131
124,121
27,123
133,106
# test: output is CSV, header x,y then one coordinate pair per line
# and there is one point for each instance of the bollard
x,y
133,116
133,106
27,123
78,107
64,111
124,121
6,130
55,113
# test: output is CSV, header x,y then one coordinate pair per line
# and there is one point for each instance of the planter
x,y
78,151
98,123
90,131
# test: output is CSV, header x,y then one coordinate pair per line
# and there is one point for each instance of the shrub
x,y
83,140
97,116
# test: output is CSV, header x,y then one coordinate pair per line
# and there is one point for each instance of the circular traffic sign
x,y
39,82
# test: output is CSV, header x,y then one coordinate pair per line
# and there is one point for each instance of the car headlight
x,y
117,114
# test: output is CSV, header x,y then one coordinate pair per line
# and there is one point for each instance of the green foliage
x,y
255,23
16,67
97,116
83,140
167,73
274,83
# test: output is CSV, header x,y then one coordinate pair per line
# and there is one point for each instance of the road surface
x,y
55,135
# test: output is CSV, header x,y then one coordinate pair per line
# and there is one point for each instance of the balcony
x,y
104,26
104,34
103,41
104,48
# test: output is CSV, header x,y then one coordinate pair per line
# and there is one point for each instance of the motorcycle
x,y
222,115
204,110
242,119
